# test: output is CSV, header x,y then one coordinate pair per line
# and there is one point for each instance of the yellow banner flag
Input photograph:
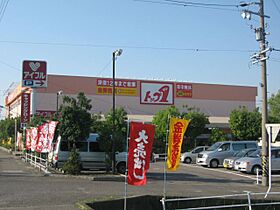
x,y
177,128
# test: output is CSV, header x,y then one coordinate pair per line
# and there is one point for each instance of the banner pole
x,y
165,158
126,170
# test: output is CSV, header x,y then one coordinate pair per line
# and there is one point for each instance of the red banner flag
x,y
34,138
140,148
52,127
42,137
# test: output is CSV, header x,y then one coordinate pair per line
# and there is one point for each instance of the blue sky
x,y
78,38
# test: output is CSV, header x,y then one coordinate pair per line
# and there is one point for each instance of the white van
x,y
215,155
91,156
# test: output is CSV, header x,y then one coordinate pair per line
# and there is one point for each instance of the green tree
x,y
7,130
196,126
74,126
274,108
105,128
217,135
245,125
161,120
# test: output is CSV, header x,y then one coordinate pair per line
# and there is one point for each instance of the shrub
x,y
73,165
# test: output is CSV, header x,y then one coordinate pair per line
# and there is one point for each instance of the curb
x,y
5,149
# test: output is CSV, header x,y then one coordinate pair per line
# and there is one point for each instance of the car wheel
x,y
121,168
255,169
187,160
214,164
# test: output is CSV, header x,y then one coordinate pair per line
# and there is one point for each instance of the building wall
x,y
214,100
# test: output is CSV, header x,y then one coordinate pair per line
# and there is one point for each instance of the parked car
x,y
215,155
253,163
229,162
91,156
190,157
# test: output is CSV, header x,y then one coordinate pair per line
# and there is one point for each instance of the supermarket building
x,y
140,98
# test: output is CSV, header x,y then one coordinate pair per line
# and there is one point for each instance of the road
x,y
23,187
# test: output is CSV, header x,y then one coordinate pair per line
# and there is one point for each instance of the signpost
x,y
34,74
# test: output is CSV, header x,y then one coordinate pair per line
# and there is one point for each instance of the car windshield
x,y
214,146
255,154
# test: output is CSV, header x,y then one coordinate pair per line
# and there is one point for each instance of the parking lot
x,y
193,180
53,192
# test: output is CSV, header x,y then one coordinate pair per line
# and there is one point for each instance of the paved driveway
x,y
22,187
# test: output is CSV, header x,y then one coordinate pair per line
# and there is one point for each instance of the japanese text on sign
x,y
183,90
118,83
34,74
140,155
157,93
177,136
25,107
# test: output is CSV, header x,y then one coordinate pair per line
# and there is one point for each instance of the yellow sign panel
x,y
101,90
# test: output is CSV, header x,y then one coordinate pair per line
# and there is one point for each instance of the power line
x,y
202,4
12,67
192,4
127,47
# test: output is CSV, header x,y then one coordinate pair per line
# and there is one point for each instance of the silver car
x,y
190,157
229,162
253,163
215,155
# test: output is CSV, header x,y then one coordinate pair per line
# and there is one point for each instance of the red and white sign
x,y
25,107
34,74
34,138
42,137
52,127
157,93
183,90
45,137
140,148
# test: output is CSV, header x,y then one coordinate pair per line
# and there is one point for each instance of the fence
x,y
226,202
37,162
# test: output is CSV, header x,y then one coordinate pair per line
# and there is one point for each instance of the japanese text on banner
x,y
140,148
177,128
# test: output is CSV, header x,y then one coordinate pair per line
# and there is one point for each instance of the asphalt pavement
x,y
23,187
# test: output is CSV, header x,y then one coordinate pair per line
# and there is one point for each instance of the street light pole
x,y
57,96
15,134
115,54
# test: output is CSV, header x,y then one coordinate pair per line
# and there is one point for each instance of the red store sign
x,y
157,93
25,107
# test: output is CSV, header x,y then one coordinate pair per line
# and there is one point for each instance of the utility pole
x,y
261,58
265,168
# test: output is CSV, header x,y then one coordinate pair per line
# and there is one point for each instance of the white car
x,y
253,163
229,162
190,157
